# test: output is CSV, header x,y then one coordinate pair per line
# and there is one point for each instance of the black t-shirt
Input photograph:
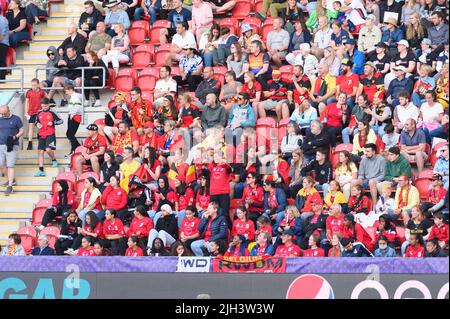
x,y
379,63
404,61
109,171
304,82
422,227
14,22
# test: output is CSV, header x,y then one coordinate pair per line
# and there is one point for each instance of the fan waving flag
x,y
190,174
172,176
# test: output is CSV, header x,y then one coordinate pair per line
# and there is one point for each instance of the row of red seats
x,y
29,236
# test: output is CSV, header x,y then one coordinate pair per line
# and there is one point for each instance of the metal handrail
x,y
21,80
82,87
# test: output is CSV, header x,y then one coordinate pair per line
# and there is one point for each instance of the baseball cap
x,y
350,41
276,73
371,64
347,62
349,217
246,27
289,232
381,45
403,42
426,41
92,127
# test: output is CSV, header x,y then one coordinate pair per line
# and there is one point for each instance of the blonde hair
x,y
412,32
294,211
426,68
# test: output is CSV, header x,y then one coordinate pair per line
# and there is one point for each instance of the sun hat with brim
x,y
371,64
246,27
112,3
399,68
391,21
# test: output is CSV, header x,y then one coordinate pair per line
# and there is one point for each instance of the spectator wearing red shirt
x,y
202,198
314,250
253,88
220,184
263,225
184,198
150,138
436,197
238,247
356,232
115,197
100,250
253,197
62,202
287,248
150,170
125,137
141,111
415,248
347,82
140,226
86,250
386,228
92,228
33,99
335,116
188,231
306,196
93,149
189,113
115,237
358,202
133,249
439,230
335,221
243,225
263,245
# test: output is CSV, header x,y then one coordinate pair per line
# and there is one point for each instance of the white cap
x,y
403,42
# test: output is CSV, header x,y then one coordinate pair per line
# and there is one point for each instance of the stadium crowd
x,y
357,92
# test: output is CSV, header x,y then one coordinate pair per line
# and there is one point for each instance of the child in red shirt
x,y
415,248
188,232
263,224
358,202
439,230
86,249
133,249
314,249
33,99
243,225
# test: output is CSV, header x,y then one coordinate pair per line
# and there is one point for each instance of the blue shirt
x,y
176,17
417,138
118,17
9,127
4,28
339,40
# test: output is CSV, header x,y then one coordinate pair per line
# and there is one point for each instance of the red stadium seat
x,y
161,54
282,129
141,24
234,204
138,35
344,147
266,28
88,174
175,70
434,155
146,95
156,29
28,235
258,6
46,202
125,80
400,234
220,78
111,79
141,59
231,23
220,70
68,176
37,215
52,232
263,130
427,173
335,159
10,56
287,71
242,9
146,48
100,122
423,185
147,79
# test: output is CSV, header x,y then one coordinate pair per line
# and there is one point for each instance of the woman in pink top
x,y
202,18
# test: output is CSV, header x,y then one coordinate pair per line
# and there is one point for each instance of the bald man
x,y
11,129
99,40
75,39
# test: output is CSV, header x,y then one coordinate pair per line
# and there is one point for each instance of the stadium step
x,y
32,198
16,207
29,171
55,31
32,188
61,23
61,143
50,38
76,7
59,153
43,46
66,14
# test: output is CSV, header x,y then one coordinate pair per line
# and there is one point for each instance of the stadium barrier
x,y
21,80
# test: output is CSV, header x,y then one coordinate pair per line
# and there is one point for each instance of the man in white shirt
x,y
369,35
277,42
304,58
322,39
355,11
165,85
405,110
182,38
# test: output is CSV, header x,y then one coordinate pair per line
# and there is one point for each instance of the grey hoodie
x,y
50,74
212,117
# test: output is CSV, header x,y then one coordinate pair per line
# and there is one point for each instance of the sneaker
x,y
39,173
54,163
97,103
6,184
30,146
87,103
68,155
260,16
63,103
8,190
52,102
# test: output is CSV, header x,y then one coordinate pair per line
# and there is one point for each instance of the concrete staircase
x,y
16,209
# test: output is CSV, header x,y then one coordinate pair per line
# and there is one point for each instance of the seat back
x,y
242,9
137,36
28,235
141,59
37,215
46,202
52,232
423,185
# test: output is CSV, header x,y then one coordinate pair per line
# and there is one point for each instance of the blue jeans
x,y
346,134
208,59
417,100
16,38
181,216
439,133
324,188
197,245
379,130
33,11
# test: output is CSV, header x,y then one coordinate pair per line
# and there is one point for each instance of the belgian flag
x,y
171,176
190,174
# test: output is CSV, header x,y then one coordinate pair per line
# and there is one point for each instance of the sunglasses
x,y
50,53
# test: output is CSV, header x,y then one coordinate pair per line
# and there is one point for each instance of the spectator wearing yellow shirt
x,y
334,196
323,87
345,172
406,197
129,166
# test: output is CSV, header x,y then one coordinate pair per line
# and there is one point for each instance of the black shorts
x,y
48,142
49,83
32,119
101,159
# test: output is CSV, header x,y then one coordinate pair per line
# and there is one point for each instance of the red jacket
x,y
256,194
144,225
116,229
267,228
361,235
220,178
390,234
70,199
134,253
244,228
114,198
440,232
359,206
202,200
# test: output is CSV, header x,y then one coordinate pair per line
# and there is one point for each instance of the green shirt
x,y
394,169
313,21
